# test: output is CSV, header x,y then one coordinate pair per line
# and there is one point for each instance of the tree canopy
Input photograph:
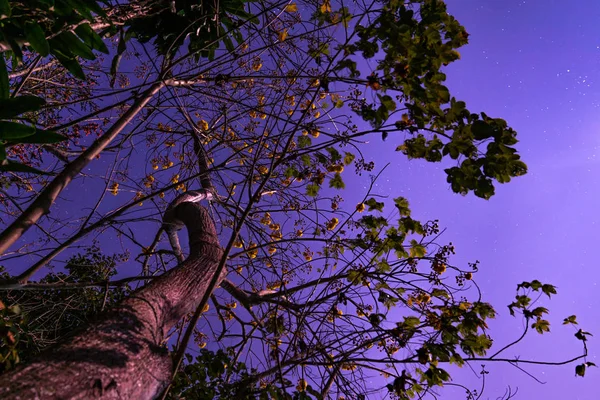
x,y
112,116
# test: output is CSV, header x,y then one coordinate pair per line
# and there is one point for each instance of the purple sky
x,y
536,65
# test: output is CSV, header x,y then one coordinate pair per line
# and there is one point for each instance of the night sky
x,y
535,64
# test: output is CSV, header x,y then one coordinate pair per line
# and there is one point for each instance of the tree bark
x,y
122,355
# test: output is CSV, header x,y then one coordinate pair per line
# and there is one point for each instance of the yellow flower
x,y
315,133
175,178
301,385
336,168
276,235
349,366
299,233
256,65
253,251
114,189
325,7
439,267
274,285
272,249
203,125
332,224
307,255
266,220
292,7
360,207
238,244
468,276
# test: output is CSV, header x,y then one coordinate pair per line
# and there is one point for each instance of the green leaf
x,y
304,141
374,205
15,309
410,322
572,319
41,136
336,182
13,166
376,319
4,85
306,160
37,38
69,43
539,311
91,38
417,250
71,64
535,284
541,326
312,190
387,102
355,276
10,108
114,66
334,154
14,130
402,206
5,10
348,158
548,290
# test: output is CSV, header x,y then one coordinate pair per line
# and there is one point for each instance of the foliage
x,y
37,319
14,133
324,287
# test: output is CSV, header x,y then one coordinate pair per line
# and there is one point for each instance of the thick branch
x,y
122,356
44,201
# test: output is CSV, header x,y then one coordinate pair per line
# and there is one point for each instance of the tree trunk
x,y
123,354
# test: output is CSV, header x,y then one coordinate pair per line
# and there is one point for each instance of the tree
x,y
253,107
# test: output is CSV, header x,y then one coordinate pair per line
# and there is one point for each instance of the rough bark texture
x,y
122,356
